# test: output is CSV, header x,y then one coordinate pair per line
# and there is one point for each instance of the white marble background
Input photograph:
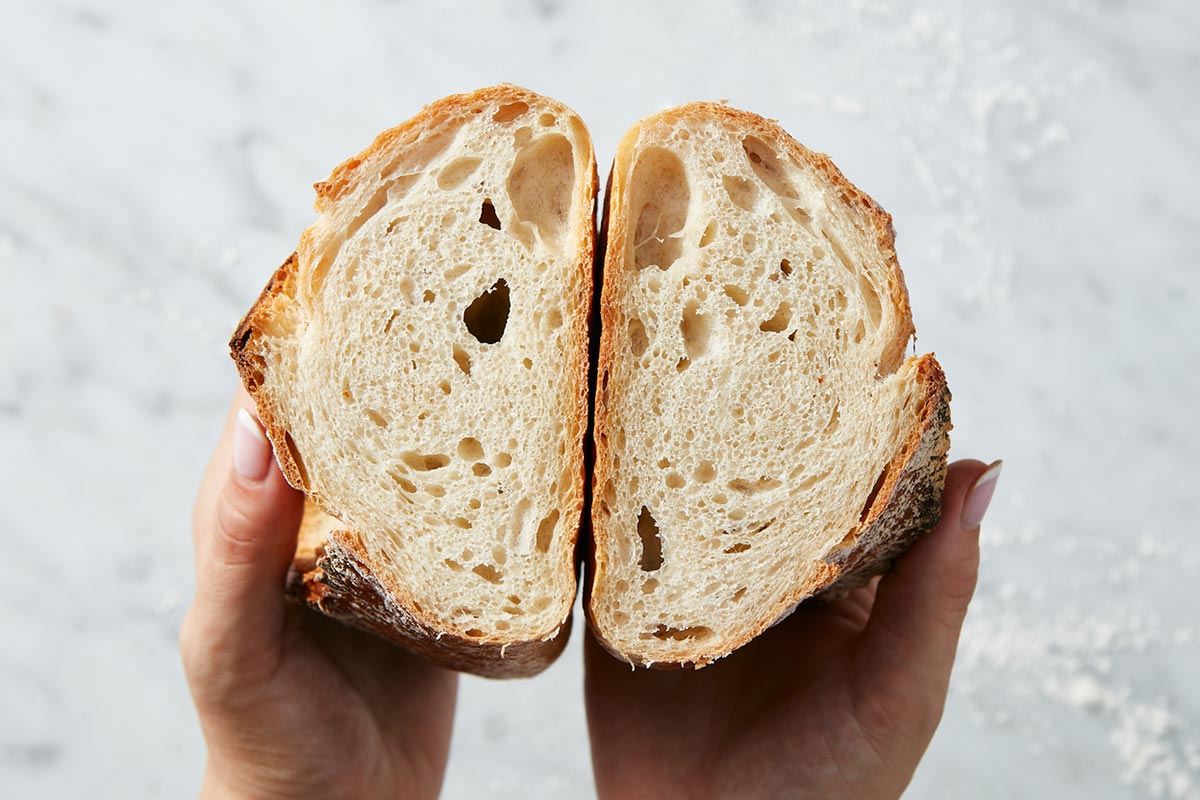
x,y
1040,159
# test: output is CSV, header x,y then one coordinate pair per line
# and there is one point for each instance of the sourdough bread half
x,y
759,435
420,365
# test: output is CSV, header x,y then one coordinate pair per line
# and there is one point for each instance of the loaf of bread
x,y
420,365
759,436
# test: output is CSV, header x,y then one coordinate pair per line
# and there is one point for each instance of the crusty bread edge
x,y
342,582
907,503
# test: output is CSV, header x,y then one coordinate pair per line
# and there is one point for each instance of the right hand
x,y
838,701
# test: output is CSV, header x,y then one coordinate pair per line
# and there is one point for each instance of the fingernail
x,y
980,496
251,450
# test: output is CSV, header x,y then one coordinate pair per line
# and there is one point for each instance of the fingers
x,y
245,529
919,608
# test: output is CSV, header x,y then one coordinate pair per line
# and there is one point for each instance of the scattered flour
x,y
1018,649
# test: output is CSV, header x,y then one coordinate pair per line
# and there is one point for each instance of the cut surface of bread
x,y
759,435
420,365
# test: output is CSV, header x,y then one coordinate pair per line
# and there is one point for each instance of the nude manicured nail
x,y
980,495
251,450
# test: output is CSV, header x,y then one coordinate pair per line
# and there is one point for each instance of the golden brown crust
x,y
337,577
907,503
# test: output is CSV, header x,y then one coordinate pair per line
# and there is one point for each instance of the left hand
x,y
293,704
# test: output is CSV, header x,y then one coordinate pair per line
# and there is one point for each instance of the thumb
x,y
907,648
245,543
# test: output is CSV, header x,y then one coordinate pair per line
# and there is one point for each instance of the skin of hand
x,y
292,704
837,701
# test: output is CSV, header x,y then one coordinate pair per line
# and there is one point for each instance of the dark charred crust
x,y
342,585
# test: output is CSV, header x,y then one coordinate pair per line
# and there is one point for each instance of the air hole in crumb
x,y
434,490
737,294
526,363
474,502
780,321
785,267
749,242
461,522
487,215
545,532
710,232
649,586
376,417
834,422
502,625
682,364
696,331
463,359
740,547
547,120
457,271
481,470
470,449
424,463
444,386
665,632
660,197
388,327
502,460
488,573
875,490
675,481
510,111
452,564
457,171
860,331
871,297
428,296
647,530
745,487
499,554
739,594
474,633
487,315
705,472
637,337
540,187
740,191
552,320
765,164
290,444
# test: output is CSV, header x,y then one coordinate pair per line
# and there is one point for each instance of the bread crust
x,y
908,501
338,578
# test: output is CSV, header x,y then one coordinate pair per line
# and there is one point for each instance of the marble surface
x,y
1040,160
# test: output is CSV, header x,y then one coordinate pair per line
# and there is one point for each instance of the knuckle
x,y
236,537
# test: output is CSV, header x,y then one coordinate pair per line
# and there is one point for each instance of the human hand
x,y
837,701
293,704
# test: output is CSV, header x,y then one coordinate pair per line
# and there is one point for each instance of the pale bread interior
x,y
431,371
751,391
